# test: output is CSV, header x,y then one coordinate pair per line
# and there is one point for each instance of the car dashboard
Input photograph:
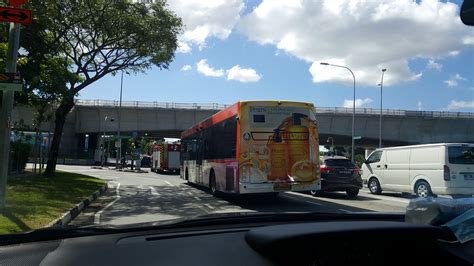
x,y
338,242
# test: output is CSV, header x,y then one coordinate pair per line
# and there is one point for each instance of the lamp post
x,y
353,106
380,123
119,141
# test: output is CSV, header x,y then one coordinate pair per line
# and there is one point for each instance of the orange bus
x,y
254,147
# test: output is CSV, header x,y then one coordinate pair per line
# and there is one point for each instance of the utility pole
x,y
7,106
380,122
119,148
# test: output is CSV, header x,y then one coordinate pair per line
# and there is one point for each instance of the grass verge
x,y
33,202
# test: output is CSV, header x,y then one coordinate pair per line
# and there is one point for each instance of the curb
x,y
133,171
74,211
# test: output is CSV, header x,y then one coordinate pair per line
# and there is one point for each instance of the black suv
x,y
339,174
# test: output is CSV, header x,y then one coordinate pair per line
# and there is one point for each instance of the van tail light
x,y
447,175
325,169
356,170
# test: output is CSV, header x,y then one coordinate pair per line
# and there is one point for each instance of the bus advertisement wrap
x,y
278,144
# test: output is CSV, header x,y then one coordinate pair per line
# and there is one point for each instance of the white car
x,y
444,168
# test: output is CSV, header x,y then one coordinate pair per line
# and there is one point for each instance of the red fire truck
x,y
165,157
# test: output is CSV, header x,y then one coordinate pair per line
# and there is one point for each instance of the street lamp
x,y
380,123
119,148
353,106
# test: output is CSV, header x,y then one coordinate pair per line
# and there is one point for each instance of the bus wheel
x,y
212,183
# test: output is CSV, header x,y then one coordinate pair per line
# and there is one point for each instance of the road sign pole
x,y
7,106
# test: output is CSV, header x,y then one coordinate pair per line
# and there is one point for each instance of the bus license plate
x,y
281,186
469,176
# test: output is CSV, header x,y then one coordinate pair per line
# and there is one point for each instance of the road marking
x,y
117,197
169,183
342,210
197,198
209,206
153,191
189,193
385,197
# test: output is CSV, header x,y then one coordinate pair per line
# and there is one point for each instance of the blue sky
x,y
282,68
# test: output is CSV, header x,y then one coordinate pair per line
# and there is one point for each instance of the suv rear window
x,y
339,163
461,155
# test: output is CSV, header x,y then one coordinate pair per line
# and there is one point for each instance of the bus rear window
x,y
259,118
461,155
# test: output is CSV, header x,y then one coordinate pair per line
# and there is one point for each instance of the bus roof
x,y
214,119
228,113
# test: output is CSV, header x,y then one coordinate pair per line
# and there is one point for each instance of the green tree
x,y
146,144
83,41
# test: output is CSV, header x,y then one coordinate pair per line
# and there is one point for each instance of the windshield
x,y
136,111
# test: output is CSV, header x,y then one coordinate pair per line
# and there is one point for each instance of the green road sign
x,y
357,137
11,87
11,82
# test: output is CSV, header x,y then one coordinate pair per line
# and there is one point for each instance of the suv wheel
x,y
353,192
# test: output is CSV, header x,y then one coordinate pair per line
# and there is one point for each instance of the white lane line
x,y
307,201
169,183
209,206
385,197
117,197
189,193
153,191
343,210
196,198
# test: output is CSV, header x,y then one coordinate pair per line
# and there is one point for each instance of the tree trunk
x,y
63,110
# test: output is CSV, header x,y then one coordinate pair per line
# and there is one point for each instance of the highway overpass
x,y
160,119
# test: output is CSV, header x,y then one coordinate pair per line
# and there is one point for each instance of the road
x,y
145,197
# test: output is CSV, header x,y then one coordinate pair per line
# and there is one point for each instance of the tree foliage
x,y
73,43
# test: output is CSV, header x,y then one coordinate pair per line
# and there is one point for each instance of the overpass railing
x,y
112,103
217,106
394,112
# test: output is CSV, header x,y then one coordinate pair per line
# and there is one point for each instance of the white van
x,y
444,168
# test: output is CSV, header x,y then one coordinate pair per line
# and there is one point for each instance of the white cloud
x,y
453,53
203,68
183,47
186,68
460,105
358,103
432,64
243,74
419,105
205,19
453,81
364,35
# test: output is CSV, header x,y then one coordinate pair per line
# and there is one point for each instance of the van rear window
x,y
461,155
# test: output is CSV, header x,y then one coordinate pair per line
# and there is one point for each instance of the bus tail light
x,y
244,174
447,173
